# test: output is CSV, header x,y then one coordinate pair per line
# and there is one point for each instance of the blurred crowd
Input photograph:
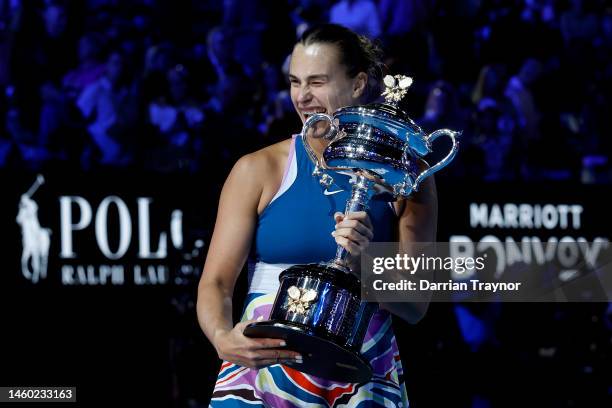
x,y
189,86
166,86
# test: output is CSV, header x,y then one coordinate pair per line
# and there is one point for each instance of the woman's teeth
x,y
307,114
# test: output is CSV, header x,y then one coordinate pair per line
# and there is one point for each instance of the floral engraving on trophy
x,y
300,299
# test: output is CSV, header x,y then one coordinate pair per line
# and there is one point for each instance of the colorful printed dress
x,y
295,228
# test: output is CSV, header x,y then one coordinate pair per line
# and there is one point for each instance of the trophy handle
x,y
333,129
445,161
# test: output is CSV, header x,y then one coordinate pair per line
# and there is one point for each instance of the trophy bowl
x,y
318,308
380,142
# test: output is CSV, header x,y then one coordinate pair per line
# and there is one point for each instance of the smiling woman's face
x,y
319,83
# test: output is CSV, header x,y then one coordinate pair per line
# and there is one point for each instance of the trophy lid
x,y
396,88
394,112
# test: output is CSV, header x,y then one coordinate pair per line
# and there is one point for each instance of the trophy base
x,y
322,358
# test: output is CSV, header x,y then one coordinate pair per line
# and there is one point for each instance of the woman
x,y
271,198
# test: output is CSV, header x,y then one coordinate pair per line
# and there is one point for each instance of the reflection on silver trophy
x,y
318,308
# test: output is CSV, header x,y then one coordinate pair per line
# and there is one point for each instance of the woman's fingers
x,y
347,227
263,352
255,343
353,231
361,216
255,352
359,222
265,363
353,247
243,324
354,234
276,355
262,343
264,357
338,217
356,215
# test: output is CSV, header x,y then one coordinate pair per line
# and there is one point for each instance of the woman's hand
x,y
233,346
353,232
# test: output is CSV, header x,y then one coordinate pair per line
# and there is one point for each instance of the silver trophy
x,y
318,308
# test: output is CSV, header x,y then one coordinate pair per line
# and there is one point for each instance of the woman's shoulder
x,y
268,159
260,173
277,150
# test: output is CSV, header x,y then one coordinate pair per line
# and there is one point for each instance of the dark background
x,y
157,99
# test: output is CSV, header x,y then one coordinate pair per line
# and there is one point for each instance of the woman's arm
x,y
417,223
227,253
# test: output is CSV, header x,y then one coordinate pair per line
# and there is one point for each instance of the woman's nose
x,y
304,95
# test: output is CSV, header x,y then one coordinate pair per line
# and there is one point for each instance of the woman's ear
x,y
359,84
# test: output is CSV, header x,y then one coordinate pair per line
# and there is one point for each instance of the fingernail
x,y
283,343
333,233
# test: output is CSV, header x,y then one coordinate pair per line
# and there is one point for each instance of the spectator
x,y
178,121
90,67
520,94
495,138
442,109
110,108
578,26
401,17
159,58
277,112
360,16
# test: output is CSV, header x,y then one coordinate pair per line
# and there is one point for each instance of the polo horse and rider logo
x,y
36,239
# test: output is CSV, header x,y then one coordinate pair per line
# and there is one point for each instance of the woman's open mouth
x,y
308,113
